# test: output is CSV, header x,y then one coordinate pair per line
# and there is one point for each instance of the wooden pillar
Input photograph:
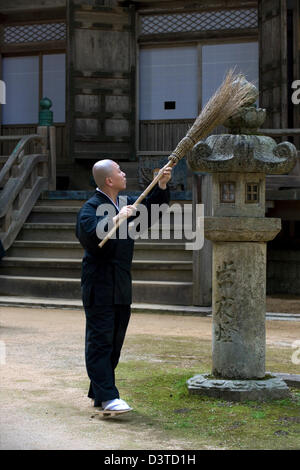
x,y
273,76
43,131
296,69
52,158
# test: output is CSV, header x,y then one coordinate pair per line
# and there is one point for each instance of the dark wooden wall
x,y
101,81
162,135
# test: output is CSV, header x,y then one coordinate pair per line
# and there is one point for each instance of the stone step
x,y
60,202
147,270
73,249
57,212
76,304
46,249
162,251
65,231
178,293
53,213
137,307
80,197
48,231
55,208
170,292
158,270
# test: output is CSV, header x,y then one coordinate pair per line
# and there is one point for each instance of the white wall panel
x,y
168,74
21,76
218,59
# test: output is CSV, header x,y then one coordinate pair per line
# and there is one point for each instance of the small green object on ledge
x,y
45,115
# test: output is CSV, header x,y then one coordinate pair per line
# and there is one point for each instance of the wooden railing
x,y
22,179
280,132
26,129
162,135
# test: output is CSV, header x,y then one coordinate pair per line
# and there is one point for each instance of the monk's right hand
x,y
125,213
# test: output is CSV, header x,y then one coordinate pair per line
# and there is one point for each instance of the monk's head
x,y
108,175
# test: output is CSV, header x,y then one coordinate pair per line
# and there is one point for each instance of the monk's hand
x,y
167,173
125,213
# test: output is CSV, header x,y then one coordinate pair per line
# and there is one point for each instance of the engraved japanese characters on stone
x,y
225,312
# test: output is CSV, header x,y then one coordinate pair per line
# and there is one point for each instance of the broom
x,y
234,93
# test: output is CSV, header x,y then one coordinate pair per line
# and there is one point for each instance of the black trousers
x,y
105,333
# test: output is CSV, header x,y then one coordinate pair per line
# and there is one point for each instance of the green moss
x,y
158,392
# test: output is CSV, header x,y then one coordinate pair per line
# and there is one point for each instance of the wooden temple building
x,y
126,79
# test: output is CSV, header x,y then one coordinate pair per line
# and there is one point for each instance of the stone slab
x,y
270,388
292,380
241,229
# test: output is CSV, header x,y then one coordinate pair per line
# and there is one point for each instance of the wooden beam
x,y
100,138
99,74
31,47
97,154
283,195
7,7
249,33
88,90
279,181
199,4
102,115
280,132
32,15
185,6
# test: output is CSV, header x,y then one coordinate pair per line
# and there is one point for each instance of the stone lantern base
x,y
268,388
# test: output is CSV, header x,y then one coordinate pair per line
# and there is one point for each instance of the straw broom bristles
x,y
234,93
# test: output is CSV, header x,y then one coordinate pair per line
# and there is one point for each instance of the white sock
x,y
115,404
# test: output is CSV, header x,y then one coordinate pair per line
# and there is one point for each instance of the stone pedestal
x,y
271,388
239,232
239,292
238,337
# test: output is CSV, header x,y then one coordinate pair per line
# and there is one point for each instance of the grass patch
x,y
158,392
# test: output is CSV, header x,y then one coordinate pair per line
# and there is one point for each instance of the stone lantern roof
x,y
242,154
243,150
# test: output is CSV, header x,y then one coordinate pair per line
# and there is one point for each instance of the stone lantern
x,y
239,162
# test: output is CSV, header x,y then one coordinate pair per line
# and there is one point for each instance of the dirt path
x,y
43,405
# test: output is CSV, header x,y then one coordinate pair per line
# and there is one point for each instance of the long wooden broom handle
x,y
170,164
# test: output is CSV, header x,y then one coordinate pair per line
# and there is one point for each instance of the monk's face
x,y
117,178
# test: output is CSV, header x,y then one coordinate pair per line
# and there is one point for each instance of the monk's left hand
x,y
167,173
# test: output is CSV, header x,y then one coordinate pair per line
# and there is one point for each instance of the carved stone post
x,y
239,232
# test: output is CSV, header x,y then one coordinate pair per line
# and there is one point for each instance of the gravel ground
x,y
43,405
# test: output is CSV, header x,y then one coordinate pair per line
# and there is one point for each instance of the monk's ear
x,y
108,181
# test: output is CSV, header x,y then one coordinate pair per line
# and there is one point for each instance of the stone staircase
x,y
45,261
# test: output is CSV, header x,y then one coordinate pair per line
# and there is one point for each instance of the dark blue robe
x,y
106,290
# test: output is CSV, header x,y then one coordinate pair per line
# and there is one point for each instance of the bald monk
x,y
106,280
